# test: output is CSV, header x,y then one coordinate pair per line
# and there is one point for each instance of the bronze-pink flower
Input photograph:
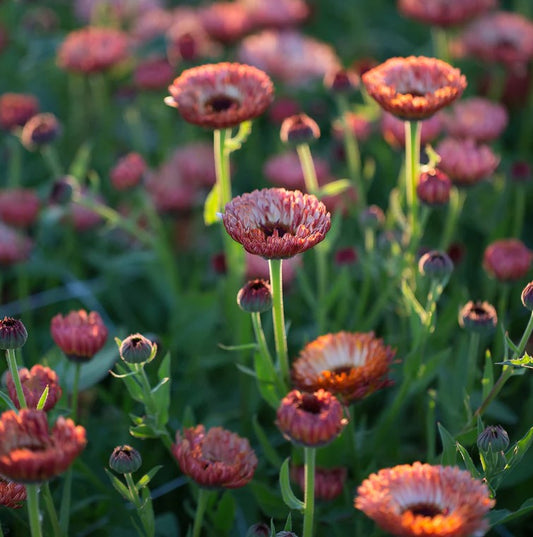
x,y
16,109
15,247
19,207
276,223
34,382
128,171
393,129
329,482
226,21
216,458
31,452
465,162
221,95
11,494
415,87
507,259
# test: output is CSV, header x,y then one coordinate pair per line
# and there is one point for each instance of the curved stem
x,y
412,164
278,317
203,496
309,498
32,492
12,364
308,168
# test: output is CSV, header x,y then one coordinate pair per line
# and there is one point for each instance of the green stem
x,y
440,44
321,276
51,510
473,347
278,317
203,497
15,161
32,492
133,490
1,530
51,158
308,168
12,364
309,497
222,167
457,200
412,164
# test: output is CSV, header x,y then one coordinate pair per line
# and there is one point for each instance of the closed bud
x,y
433,188
255,296
41,129
478,317
62,190
258,530
136,349
125,460
13,333
341,81
436,265
494,438
372,217
527,296
299,129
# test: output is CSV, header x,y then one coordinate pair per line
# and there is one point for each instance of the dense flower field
x,y
266,268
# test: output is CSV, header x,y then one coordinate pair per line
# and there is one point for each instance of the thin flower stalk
x,y
473,348
412,165
12,364
50,509
309,493
15,161
51,159
146,520
441,47
278,317
308,168
201,505
32,492
457,201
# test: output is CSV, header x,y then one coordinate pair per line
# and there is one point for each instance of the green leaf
x,y
161,393
188,420
509,342
235,143
122,489
268,500
212,206
334,188
148,476
43,398
268,450
244,347
8,401
291,501
265,375
80,164
503,516
288,523
224,515
469,463
133,385
449,450
143,431
514,455
246,370
525,361
487,382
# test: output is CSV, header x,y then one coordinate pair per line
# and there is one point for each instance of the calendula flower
x,y
216,458
444,13
11,494
19,207
276,223
16,109
479,317
34,383
14,246
13,333
351,365
507,259
422,500
329,482
221,95
433,188
414,88
80,335
92,50
30,452
310,419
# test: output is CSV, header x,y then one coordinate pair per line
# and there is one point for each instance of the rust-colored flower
x,y
276,223
276,13
465,162
153,74
30,452
80,335
433,188
221,95
444,13
414,88
289,56
216,458
507,260
39,130
329,482
285,170
422,500
14,246
476,118
34,382
128,171
351,365
393,130
19,207
310,419
16,109
226,21
500,36
92,50
11,494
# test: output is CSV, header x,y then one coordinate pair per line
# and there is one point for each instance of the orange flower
x,y
218,458
80,335
34,382
310,419
350,365
421,500
276,223
221,95
414,88
30,452
11,494
507,259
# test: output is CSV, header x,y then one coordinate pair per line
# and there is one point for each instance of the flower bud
x,y
136,349
286,534
436,265
494,438
478,317
13,333
372,217
258,530
433,188
62,190
255,296
527,296
41,129
299,129
341,81
125,460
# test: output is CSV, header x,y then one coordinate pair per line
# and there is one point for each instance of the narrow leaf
x,y
8,401
487,382
291,501
449,450
469,463
268,450
122,489
43,398
266,381
334,188
514,455
503,516
146,478
212,206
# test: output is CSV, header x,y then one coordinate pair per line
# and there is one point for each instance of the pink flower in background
x,y
16,109
507,260
15,247
276,13
19,207
393,129
153,74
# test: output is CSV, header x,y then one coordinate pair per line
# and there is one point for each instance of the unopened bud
x,y
13,333
255,296
299,129
137,349
125,460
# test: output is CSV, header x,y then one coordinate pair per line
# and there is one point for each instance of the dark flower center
x,y
414,93
343,369
221,103
270,229
310,403
426,509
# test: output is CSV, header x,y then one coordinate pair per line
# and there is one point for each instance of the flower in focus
x,y
92,50
444,13
500,36
465,162
221,95
421,500
34,382
393,130
414,88
153,74
476,118
128,171
433,188
14,246
39,130
16,109
30,452
19,207
11,494
125,460
350,365
226,21
479,317
329,482
80,335
507,260
13,333
276,223
216,458
285,170
310,419
276,13
289,56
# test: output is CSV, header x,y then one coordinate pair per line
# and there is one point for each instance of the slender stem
x,y
203,497
457,200
32,492
12,364
75,390
412,164
1,530
133,490
473,347
309,497
278,317
51,510
308,168
440,43
15,161
221,168
51,158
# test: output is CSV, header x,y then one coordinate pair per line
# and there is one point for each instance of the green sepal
x,y
290,499
43,398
